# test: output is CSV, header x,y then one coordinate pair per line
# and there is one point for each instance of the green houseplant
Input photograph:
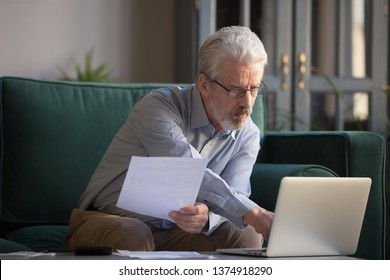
x,y
89,73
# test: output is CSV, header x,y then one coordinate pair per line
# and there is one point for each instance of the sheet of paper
x,y
155,186
163,255
26,255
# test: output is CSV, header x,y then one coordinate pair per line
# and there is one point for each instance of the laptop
x,y
315,216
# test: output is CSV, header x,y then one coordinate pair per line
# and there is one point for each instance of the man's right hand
x,y
260,219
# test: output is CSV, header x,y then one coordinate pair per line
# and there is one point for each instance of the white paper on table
x,y
163,255
154,186
26,254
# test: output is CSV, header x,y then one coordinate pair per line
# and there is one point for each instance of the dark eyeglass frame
x,y
238,92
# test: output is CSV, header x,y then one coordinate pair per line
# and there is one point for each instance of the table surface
x,y
203,255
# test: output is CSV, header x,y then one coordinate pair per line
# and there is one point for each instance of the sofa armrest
x,y
349,154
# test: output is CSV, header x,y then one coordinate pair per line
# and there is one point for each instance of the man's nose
x,y
247,100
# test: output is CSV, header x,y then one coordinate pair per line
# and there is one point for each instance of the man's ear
x,y
204,84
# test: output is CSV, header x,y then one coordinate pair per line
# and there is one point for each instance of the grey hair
x,y
234,43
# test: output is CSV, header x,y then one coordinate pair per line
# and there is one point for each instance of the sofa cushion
x,y
39,238
7,246
266,177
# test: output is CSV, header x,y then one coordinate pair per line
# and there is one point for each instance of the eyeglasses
x,y
238,92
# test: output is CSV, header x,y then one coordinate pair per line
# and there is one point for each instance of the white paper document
x,y
155,186
26,255
163,255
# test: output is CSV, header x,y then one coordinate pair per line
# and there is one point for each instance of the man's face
x,y
223,110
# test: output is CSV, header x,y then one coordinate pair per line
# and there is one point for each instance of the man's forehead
x,y
234,72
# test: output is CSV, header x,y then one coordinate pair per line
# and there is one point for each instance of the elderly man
x,y
210,119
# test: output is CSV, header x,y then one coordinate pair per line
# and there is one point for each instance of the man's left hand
x,y
191,219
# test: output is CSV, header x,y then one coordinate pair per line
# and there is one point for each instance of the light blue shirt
x,y
173,122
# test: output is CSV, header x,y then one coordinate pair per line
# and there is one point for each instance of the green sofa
x,y
54,133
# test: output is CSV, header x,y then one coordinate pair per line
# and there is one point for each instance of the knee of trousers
x,y
131,234
249,238
230,236
91,228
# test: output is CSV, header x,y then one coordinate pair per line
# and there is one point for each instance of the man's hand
x,y
191,219
260,219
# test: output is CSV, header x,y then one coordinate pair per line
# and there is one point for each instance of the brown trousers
x,y
93,228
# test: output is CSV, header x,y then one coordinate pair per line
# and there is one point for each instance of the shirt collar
x,y
198,113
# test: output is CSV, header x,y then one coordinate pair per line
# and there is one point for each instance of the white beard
x,y
228,123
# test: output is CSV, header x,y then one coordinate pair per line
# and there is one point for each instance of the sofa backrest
x,y
52,136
